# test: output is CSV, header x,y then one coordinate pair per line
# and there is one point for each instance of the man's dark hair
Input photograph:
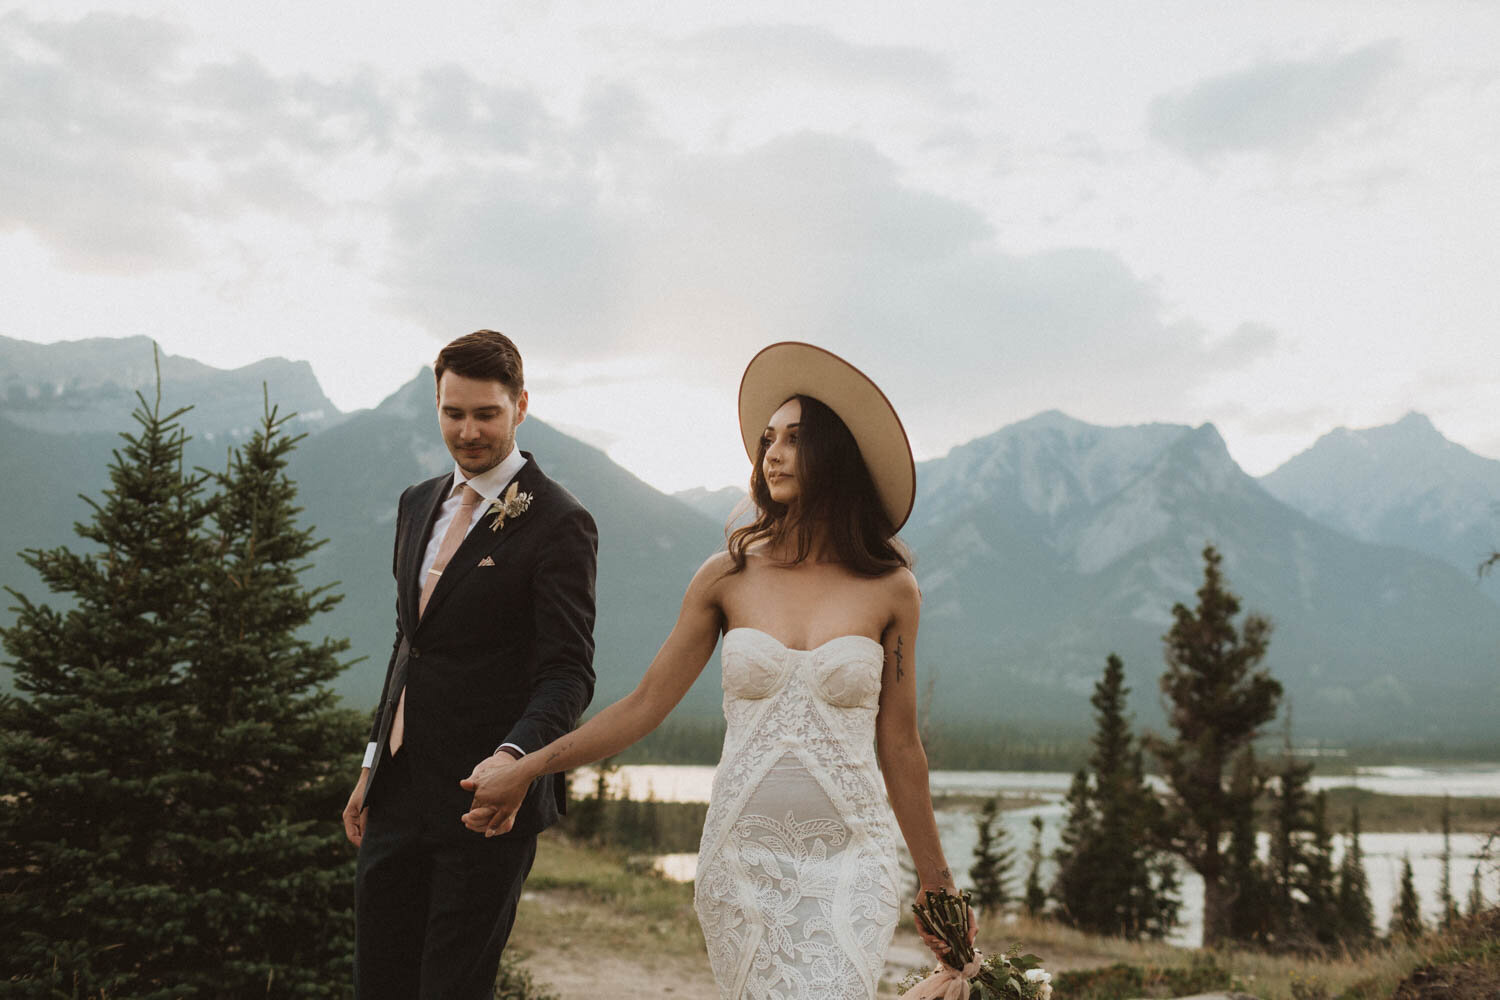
x,y
483,354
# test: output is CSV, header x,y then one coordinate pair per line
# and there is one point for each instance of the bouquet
x,y
966,974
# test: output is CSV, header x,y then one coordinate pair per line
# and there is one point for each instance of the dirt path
x,y
606,976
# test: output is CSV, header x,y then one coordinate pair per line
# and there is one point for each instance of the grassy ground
x,y
596,924
1462,963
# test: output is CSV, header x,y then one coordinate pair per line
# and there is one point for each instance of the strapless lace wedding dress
x,y
797,871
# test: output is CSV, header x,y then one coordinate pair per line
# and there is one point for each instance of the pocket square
x,y
486,561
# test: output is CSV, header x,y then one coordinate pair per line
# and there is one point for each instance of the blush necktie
x,y
452,539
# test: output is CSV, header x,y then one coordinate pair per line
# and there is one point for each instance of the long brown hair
x,y
836,495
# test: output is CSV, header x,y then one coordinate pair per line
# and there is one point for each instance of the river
x,y
1384,852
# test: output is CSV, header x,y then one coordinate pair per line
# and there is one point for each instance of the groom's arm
x,y
373,744
563,603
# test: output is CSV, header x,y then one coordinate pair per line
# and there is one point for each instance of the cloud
x,y
816,54
1275,106
119,155
707,256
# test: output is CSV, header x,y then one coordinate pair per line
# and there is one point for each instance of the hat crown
x,y
794,368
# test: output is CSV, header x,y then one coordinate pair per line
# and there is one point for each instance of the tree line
x,y
1122,838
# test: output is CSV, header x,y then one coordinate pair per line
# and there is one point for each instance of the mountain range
x,y
1040,548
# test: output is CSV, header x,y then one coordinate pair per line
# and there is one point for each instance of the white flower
x,y
1043,981
513,504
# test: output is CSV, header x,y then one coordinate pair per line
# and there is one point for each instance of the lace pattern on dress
x,y
797,873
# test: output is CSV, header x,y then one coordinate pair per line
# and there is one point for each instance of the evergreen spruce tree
x,y
1125,900
650,822
1476,894
587,814
1447,905
1167,886
1036,896
1077,866
1218,700
1406,921
625,830
1356,915
1319,888
1115,860
180,760
993,859
1290,820
91,901
269,745
1245,879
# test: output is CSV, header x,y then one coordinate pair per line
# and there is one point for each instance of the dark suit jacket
x,y
505,651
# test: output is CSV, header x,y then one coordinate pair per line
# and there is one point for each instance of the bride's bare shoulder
x,y
900,587
714,575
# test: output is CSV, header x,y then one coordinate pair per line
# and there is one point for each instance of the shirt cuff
x,y
518,752
370,750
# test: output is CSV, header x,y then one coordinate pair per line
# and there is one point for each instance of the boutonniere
x,y
513,504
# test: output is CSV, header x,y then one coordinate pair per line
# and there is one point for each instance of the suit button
x,y
416,654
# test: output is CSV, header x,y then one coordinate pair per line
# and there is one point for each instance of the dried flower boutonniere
x,y
513,504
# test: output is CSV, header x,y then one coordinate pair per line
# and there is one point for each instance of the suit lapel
x,y
414,543
482,541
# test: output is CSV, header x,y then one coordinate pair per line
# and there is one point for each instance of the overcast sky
x,y
1278,217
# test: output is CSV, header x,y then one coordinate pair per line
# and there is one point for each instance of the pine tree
x,y
1076,864
1407,918
1125,900
1319,888
1167,886
269,742
1447,905
89,764
1291,818
650,822
587,814
1245,878
993,859
1218,702
1476,894
180,762
1110,870
1036,896
1356,915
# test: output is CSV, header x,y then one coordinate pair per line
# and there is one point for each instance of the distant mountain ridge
x,y
1040,548
90,385
1399,484
1052,542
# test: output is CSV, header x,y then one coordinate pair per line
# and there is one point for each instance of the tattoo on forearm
x,y
900,642
945,873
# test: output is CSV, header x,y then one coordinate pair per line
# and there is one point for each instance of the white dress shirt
x,y
489,485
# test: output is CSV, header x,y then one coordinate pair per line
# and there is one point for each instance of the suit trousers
x,y
433,907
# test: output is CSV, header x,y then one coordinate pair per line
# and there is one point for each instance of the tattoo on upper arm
x,y
900,642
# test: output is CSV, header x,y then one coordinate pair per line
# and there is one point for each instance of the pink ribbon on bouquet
x,y
947,983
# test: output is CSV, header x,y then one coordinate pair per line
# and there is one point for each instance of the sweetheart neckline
x,y
794,649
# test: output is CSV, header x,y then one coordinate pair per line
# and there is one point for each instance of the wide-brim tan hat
x,y
795,369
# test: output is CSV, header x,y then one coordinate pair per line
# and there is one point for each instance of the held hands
x,y
499,786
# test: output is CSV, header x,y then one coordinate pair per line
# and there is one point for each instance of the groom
x,y
494,649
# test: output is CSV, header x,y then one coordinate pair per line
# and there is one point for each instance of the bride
x,y
797,880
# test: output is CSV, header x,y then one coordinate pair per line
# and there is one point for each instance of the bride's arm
x,y
898,745
499,784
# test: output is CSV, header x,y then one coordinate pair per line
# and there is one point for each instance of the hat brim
x,y
791,369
